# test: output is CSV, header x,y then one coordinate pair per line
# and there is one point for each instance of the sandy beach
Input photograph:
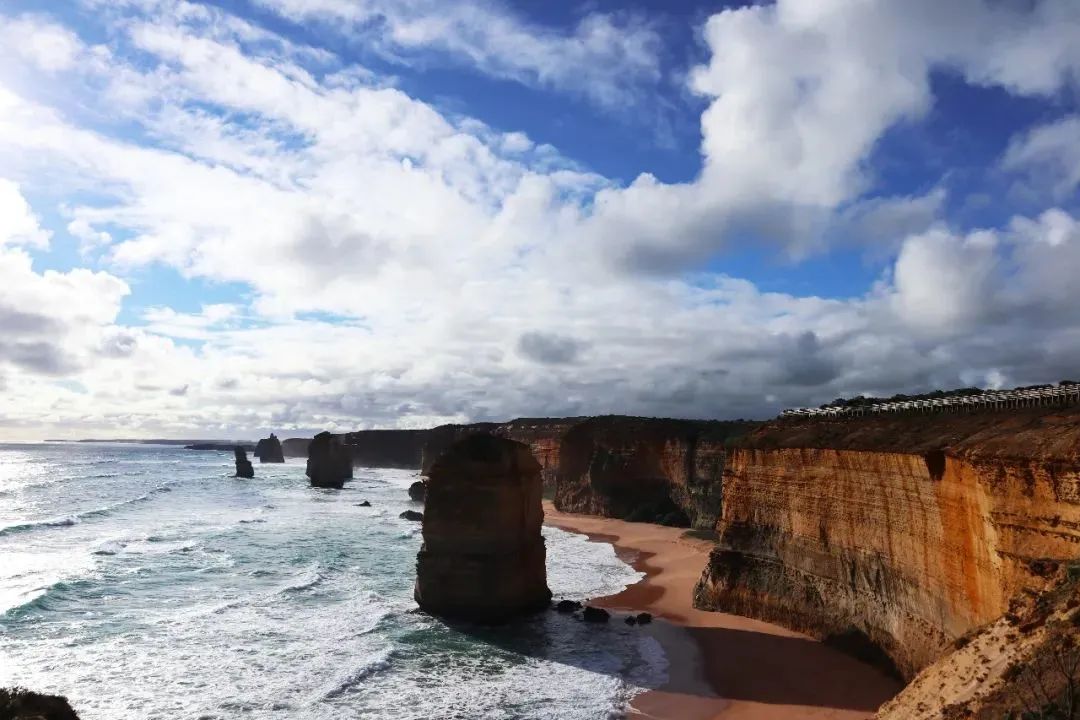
x,y
724,666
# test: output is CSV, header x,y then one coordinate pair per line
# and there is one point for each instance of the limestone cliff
x,y
645,468
438,439
295,447
895,535
386,448
483,553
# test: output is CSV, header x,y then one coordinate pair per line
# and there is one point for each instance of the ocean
x,y
144,582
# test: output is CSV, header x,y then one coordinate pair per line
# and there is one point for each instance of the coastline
x,y
723,667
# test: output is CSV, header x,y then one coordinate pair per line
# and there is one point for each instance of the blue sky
x,y
320,213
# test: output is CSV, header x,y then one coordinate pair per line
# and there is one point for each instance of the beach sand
x,y
723,666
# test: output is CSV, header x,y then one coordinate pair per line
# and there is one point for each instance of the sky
x,y
225,218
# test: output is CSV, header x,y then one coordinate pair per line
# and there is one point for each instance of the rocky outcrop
x,y
483,554
329,462
893,536
1019,666
386,448
418,491
295,447
645,469
21,704
243,465
268,450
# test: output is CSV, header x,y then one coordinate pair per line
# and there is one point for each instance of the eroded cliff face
x,y
895,535
648,469
386,448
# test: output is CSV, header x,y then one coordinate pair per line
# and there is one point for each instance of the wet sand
x,y
723,666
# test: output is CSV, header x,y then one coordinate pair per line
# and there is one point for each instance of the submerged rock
x,y
644,618
483,553
418,491
21,704
363,504
595,614
268,450
630,620
412,515
329,462
243,465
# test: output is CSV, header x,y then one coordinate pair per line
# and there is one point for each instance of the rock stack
x,y
329,462
243,465
269,450
483,554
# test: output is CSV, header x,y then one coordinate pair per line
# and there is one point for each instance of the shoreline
x,y
722,667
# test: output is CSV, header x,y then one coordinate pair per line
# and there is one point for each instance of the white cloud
x,y
608,58
1049,155
18,224
50,46
471,273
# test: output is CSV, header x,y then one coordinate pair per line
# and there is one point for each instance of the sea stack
x,y
243,465
269,450
483,557
329,462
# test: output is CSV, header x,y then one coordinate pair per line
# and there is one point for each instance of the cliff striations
x,y
645,469
483,553
895,535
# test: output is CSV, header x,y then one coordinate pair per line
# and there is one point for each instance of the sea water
x,y
144,582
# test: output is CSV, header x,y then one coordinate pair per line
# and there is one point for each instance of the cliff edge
x,y
895,535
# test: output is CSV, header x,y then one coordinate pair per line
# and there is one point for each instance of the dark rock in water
x,y
630,620
20,704
644,618
268,450
595,614
568,606
363,504
417,491
483,553
412,515
329,462
243,465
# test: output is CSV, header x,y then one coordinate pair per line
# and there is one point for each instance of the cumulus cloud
x,y
1048,156
401,266
549,348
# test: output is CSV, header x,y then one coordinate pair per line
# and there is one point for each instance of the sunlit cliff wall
x,y
895,534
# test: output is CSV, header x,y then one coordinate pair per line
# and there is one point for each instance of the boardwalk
x,y
989,400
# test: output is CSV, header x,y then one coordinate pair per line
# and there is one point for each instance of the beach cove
x,y
723,666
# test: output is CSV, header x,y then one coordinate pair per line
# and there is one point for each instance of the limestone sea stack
x,y
483,557
269,450
329,462
243,465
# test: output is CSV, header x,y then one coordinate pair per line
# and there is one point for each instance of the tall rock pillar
x,y
483,557
329,462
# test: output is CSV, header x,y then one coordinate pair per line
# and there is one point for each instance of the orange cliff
x,y
895,535
645,469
